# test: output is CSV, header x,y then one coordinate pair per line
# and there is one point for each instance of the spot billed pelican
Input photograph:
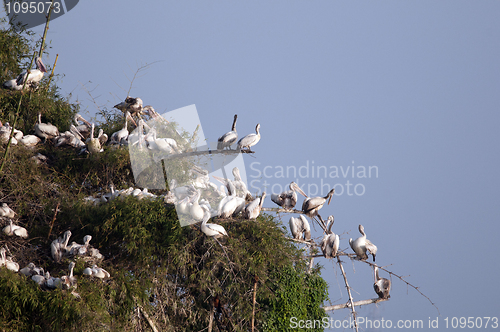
x,y
35,74
83,129
330,242
6,211
195,210
311,206
8,261
34,77
362,244
59,246
132,105
45,130
15,230
120,136
93,144
212,230
228,138
250,139
252,210
288,199
300,228
382,286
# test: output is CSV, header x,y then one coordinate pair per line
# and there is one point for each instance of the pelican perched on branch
x,y
311,206
382,286
132,105
8,261
228,138
300,228
330,242
34,77
288,199
45,130
252,210
15,230
250,139
362,244
212,230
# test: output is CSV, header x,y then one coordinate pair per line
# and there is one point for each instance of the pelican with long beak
x,y
311,206
45,130
330,242
252,210
34,77
361,245
382,286
300,228
250,139
94,144
212,230
288,199
228,138
120,136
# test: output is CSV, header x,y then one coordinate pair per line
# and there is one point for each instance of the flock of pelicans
x,y
235,199
59,248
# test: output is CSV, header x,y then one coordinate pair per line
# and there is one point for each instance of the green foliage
x,y
172,273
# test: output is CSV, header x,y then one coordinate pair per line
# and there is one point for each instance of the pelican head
x,y
295,187
40,65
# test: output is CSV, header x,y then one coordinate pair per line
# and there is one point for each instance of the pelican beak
x,y
132,119
300,190
331,195
40,65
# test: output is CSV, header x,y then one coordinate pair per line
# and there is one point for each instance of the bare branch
x,y
357,303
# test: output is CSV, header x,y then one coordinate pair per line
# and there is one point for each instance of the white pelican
x,y
28,270
330,242
99,272
252,210
15,230
59,246
300,228
228,138
195,210
45,130
250,139
39,278
120,136
362,244
240,187
83,129
34,77
80,249
69,281
93,144
52,282
212,230
166,145
5,132
382,286
288,199
8,261
35,74
230,205
311,206
6,211
30,140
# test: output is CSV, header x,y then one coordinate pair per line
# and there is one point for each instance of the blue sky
x,y
411,88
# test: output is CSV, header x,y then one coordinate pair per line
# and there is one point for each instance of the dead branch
x,y
357,303
352,304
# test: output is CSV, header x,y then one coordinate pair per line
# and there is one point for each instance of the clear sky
x,y
411,88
